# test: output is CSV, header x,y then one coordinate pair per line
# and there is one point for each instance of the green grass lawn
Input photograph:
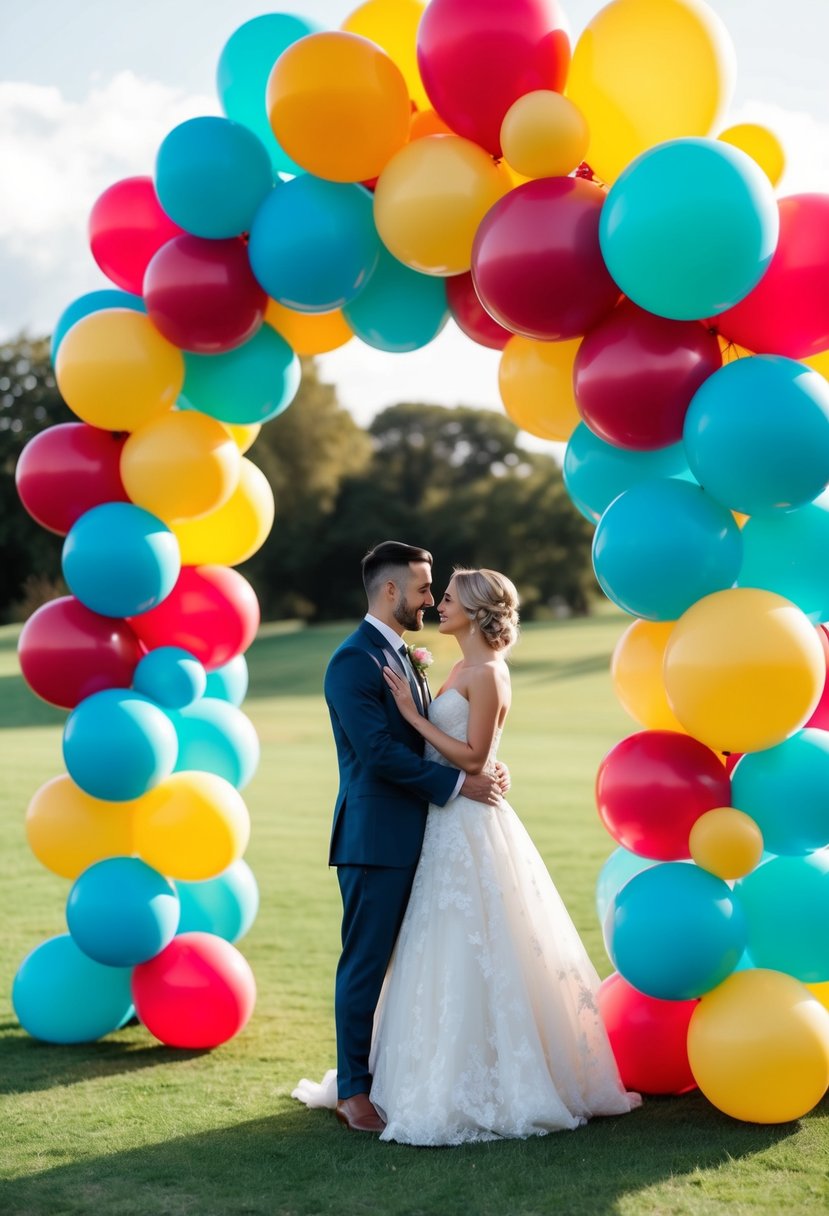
x,y
127,1126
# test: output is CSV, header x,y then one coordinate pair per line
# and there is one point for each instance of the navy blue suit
x,y
379,821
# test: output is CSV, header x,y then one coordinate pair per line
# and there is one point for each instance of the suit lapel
x,y
419,690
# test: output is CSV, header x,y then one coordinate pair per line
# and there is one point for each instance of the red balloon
x,y
477,57
470,315
820,718
126,227
635,374
787,313
212,611
67,652
66,470
648,1037
536,262
732,759
202,296
653,786
197,993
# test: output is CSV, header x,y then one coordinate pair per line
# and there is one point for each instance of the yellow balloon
x,y
191,826
821,991
338,105
430,199
181,465
730,351
636,671
243,434
820,363
758,1046
536,384
544,135
68,830
726,842
309,333
760,144
115,371
236,530
743,669
645,71
392,24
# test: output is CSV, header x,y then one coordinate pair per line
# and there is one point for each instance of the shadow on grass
x,y
27,1066
19,707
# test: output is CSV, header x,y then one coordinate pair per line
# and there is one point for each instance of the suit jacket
x,y
385,784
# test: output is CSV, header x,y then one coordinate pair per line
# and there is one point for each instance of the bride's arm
x,y
485,701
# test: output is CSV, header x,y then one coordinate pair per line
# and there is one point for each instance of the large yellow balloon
x,y
544,135
181,465
758,1046
645,71
761,144
636,671
236,530
338,105
309,333
743,669
191,826
726,842
68,830
536,384
392,24
430,199
115,371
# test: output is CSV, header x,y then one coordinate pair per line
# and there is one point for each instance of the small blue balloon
x,y
119,560
93,301
122,912
786,906
170,676
118,744
225,905
596,472
757,434
784,789
619,868
62,996
229,682
313,244
786,553
398,309
216,737
250,384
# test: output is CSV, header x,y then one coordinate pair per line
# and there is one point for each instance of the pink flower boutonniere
x,y
420,658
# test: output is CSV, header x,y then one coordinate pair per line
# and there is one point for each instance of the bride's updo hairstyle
x,y
491,602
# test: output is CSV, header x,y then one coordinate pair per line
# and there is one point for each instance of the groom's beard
x,y
406,615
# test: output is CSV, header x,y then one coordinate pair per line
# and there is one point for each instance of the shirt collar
x,y
394,639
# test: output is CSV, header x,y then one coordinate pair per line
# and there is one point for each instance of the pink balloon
x,y
649,1038
536,262
126,227
635,374
477,57
470,315
66,470
202,296
787,313
820,718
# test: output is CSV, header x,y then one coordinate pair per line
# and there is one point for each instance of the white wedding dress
x,y
487,1026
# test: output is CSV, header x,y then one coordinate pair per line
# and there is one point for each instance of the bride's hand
x,y
402,694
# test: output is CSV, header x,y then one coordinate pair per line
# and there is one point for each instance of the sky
x,y
91,87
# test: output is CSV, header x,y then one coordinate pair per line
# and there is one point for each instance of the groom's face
x,y
414,596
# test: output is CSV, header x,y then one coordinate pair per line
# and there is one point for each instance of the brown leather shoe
x,y
358,1114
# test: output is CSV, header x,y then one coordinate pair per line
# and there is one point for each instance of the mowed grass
x,y
128,1126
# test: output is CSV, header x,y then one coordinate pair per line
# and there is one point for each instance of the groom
x,y
380,815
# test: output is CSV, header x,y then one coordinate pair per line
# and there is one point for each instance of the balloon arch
x,y
657,307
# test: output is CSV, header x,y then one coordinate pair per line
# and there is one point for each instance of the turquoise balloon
x,y
230,682
93,301
216,737
313,245
786,553
689,228
225,905
784,789
619,868
663,545
596,472
786,907
120,560
757,434
122,912
118,744
398,309
250,384
170,676
62,996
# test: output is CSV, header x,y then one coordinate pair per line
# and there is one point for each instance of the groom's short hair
x,y
388,561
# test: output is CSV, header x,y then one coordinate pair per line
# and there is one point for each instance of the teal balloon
x,y
663,545
398,309
596,472
170,676
689,228
242,75
786,553
122,912
93,301
786,907
313,245
216,737
785,789
757,434
250,384
62,996
675,931
225,905
619,868
120,560
229,682
118,744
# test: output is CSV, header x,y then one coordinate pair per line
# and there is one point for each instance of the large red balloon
x,y
536,261
648,1037
126,227
66,470
477,57
652,787
212,611
470,315
197,993
787,313
67,652
635,374
202,296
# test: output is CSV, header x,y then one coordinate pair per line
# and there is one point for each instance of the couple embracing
x,y
465,1001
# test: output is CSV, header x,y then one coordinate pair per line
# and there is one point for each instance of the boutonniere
x,y
420,658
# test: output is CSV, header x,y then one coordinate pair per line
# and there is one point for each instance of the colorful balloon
x,y
229,682
120,560
469,314
68,830
225,905
786,904
92,301
121,911
66,470
171,677
636,671
648,1038
248,385
117,745
215,737
544,135
392,25
726,842
309,333
595,472
126,226
61,996
784,790
398,309
191,826
535,380
785,552
619,868
235,530
760,144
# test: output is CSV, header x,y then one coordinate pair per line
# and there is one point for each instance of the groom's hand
x,y
503,777
482,787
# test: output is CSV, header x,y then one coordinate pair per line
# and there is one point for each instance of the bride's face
x,y
453,618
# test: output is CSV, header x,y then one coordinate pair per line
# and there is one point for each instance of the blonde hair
x,y
491,602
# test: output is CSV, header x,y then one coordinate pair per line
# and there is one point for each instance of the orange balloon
x,y
636,671
181,465
427,122
309,333
235,530
68,830
536,383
